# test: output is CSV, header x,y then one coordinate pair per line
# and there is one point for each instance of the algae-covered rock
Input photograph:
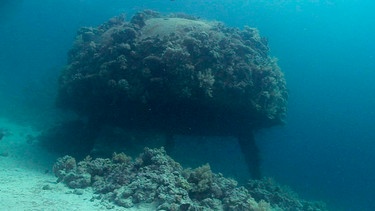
x,y
175,73
66,170
155,178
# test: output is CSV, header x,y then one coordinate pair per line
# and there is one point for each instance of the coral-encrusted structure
x,y
174,73
156,178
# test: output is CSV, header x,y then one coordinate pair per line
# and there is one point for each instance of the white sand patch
x,y
22,189
26,181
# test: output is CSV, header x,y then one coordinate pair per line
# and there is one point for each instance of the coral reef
x,y
280,196
156,178
174,73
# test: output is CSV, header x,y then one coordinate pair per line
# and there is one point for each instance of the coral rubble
x,y
156,178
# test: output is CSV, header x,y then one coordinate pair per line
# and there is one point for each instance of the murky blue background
x,y
326,49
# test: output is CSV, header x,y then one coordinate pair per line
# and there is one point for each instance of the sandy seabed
x,y
27,181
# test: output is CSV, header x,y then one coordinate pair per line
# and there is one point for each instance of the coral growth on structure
x,y
176,73
156,178
173,74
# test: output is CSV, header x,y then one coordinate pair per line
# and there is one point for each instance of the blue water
x,y
325,48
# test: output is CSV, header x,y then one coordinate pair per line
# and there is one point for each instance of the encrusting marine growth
x,y
171,75
157,179
175,74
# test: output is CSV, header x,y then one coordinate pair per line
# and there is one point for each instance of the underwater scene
x,y
187,105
